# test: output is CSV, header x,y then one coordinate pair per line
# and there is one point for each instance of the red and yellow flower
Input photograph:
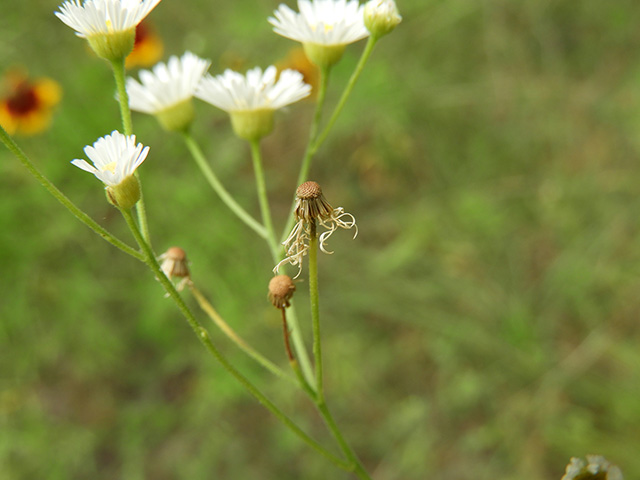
x,y
26,106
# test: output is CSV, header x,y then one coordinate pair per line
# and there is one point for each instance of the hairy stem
x,y
61,197
233,335
205,339
264,200
127,126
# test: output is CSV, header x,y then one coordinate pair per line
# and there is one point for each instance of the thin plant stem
x,y
295,366
264,200
217,186
315,139
298,344
358,468
311,148
127,125
347,91
205,339
315,309
206,306
62,198
317,351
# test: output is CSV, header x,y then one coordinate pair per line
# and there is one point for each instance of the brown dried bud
x,y
311,203
281,289
174,263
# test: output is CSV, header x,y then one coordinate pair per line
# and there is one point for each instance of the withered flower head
x,y
175,264
312,210
281,289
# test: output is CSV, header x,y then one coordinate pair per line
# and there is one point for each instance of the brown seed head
x,y
308,191
281,289
311,203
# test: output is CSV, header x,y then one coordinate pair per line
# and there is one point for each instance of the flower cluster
x,y
312,210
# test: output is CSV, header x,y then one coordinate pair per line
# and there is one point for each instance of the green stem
x,y
233,335
68,204
347,91
264,200
205,339
127,125
315,309
311,146
358,468
298,344
217,186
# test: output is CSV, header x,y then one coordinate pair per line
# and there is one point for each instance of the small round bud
x,y
311,203
281,289
174,263
381,17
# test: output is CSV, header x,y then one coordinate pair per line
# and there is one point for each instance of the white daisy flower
x,y
115,158
166,91
108,25
251,99
324,27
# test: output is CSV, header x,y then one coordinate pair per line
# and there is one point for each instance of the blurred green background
x,y
484,324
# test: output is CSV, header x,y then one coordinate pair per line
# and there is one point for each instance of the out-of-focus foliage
x,y
484,324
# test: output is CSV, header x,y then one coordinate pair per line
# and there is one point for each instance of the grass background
x,y
484,324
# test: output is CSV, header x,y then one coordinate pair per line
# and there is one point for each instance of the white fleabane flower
x,y
167,90
115,158
324,27
251,99
381,17
108,25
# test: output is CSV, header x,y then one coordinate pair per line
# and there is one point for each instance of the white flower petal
x,y
167,84
115,157
104,16
256,90
322,22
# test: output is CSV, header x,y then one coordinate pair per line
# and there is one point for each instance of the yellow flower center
x,y
111,167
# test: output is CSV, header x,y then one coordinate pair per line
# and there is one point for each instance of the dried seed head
x,y
309,190
310,203
281,289
174,263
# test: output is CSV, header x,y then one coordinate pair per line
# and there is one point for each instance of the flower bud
x,y
596,467
281,289
381,17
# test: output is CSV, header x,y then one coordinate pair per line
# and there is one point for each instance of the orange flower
x,y
26,106
297,60
147,48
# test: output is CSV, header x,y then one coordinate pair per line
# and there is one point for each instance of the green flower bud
x,y
381,17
